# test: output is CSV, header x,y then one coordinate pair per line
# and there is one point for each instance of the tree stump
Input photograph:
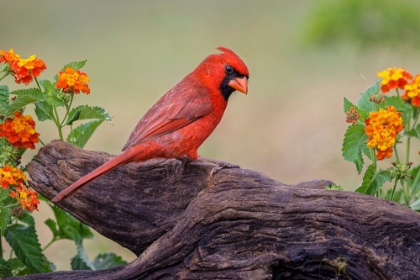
x,y
237,224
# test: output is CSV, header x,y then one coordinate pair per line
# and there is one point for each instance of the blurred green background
x,y
304,58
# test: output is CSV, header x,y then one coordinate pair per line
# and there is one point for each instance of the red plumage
x,y
183,118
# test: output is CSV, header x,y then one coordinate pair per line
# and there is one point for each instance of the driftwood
x,y
237,224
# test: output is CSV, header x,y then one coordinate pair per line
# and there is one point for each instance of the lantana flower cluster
x,y
399,78
382,128
71,80
23,69
20,131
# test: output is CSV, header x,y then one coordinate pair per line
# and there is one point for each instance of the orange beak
x,y
239,84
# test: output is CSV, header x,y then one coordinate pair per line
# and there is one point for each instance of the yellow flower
x,y
412,91
11,176
20,131
73,81
28,198
394,78
382,128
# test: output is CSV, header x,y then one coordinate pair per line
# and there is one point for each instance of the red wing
x,y
162,119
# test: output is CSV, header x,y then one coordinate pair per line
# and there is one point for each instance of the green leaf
x,y
4,100
397,102
27,219
415,132
18,268
373,181
364,103
5,269
353,143
68,226
76,65
81,134
24,241
81,260
54,100
84,112
5,217
348,105
4,194
416,205
25,97
107,260
415,183
47,85
44,111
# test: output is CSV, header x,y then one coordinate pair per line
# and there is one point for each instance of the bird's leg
x,y
220,165
180,168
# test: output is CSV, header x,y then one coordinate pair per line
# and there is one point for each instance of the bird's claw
x,y
180,169
220,165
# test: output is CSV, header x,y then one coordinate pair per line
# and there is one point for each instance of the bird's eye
x,y
229,69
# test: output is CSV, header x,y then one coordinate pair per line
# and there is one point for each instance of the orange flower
x,y
20,131
11,176
412,92
28,198
382,128
73,81
394,78
23,69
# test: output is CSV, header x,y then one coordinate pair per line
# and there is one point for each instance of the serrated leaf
x,y
415,132
68,226
397,102
44,111
76,65
25,97
364,103
81,260
348,105
53,227
47,85
18,268
5,269
5,217
84,112
354,140
54,100
373,181
4,193
24,241
81,134
107,260
27,219
4,100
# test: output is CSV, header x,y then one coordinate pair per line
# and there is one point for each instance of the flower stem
x,y
49,244
393,189
57,123
4,76
406,187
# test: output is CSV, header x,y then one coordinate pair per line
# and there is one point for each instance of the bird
x,y
182,119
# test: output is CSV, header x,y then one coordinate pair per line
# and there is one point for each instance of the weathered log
x,y
237,224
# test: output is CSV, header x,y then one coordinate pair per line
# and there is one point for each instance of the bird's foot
x,y
220,165
180,168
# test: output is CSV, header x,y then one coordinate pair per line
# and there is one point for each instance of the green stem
x,y
393,189
59,127
68,106
49,244
398,92
406,187
4,76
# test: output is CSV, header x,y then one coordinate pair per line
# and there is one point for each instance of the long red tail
x,y
120,159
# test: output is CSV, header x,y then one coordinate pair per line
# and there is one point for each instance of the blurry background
x,y
304,58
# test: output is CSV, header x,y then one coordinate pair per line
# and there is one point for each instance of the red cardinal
x,y
183,118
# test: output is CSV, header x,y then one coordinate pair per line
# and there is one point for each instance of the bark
x,y
236,224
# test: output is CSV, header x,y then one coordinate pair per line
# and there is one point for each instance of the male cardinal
x,y
181,119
